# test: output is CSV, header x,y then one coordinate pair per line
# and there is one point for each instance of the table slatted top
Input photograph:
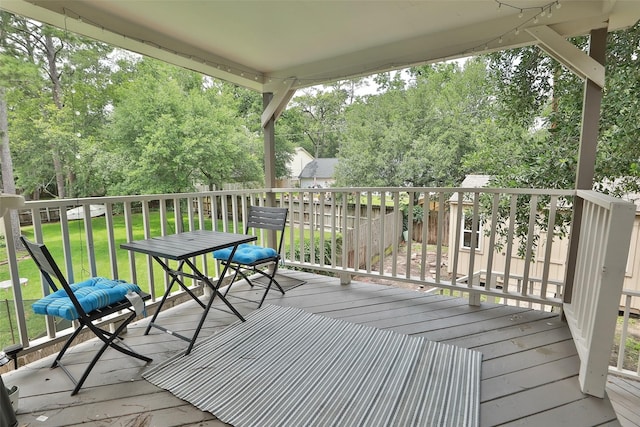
x,y
188,244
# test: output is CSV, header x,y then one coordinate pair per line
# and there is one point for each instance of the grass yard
x,y
81,268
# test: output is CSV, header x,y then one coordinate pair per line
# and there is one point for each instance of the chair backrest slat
x,y
50,270
47,265
268,218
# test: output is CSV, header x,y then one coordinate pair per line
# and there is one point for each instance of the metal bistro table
x,y
181,247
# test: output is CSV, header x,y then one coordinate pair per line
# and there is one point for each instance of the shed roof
x,y
320,168
474,181
470,181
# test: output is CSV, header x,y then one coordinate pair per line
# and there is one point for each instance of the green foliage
x,y
325,253
175,131
537,92
539,103
322,119
419,135
417,212
289,134
113,123
56,102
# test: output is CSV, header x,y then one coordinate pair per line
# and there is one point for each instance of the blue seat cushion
x,y
246,253
92,294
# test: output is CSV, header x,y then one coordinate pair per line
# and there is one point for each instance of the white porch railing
x,y
341,231
350,232
627,343
554,288
593,310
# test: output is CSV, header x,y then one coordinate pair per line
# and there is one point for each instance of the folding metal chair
x,y
252,258
86,302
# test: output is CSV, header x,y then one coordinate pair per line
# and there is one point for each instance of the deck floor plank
x,y
624,394
529,371
528,378
539,400
523,325
537,356
588,411
533,341
178,415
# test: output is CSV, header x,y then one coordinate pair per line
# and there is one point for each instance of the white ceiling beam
x,y
569,55
279,101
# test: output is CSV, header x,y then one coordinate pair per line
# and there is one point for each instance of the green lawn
x,y
53,239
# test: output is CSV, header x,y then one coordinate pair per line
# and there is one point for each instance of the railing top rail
x,y
591,195
601,199
631,292
132,198
431,190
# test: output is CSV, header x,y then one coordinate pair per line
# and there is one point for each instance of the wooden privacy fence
x,y
374,236
432,228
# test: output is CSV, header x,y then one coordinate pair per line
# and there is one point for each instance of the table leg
x,y
215,291
174,278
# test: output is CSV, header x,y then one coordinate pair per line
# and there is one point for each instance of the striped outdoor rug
x,y
287,367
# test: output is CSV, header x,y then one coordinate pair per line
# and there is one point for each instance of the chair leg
x,y
66,345
279,287
271,281
264,295
244,276
108,340
271,277
233,279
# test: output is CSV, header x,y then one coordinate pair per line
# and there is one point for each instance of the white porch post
x,y
272,108
600,270
269,131
269,127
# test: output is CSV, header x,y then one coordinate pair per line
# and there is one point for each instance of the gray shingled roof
x,y
320,168
471,181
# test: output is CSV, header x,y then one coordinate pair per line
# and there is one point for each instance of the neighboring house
x,y
318,173
557,260
300,158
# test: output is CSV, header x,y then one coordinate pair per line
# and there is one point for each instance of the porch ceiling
x,y
265,44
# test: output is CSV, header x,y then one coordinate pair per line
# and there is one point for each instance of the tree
x,y
554,116
248,107
289,133
11,71
53,115
417,134
375,141
169,130
323,118
539,93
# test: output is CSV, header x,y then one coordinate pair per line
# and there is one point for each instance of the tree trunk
x,y
8,182
55,92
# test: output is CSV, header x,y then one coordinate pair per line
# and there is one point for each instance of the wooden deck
x,y
529,370
625,397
